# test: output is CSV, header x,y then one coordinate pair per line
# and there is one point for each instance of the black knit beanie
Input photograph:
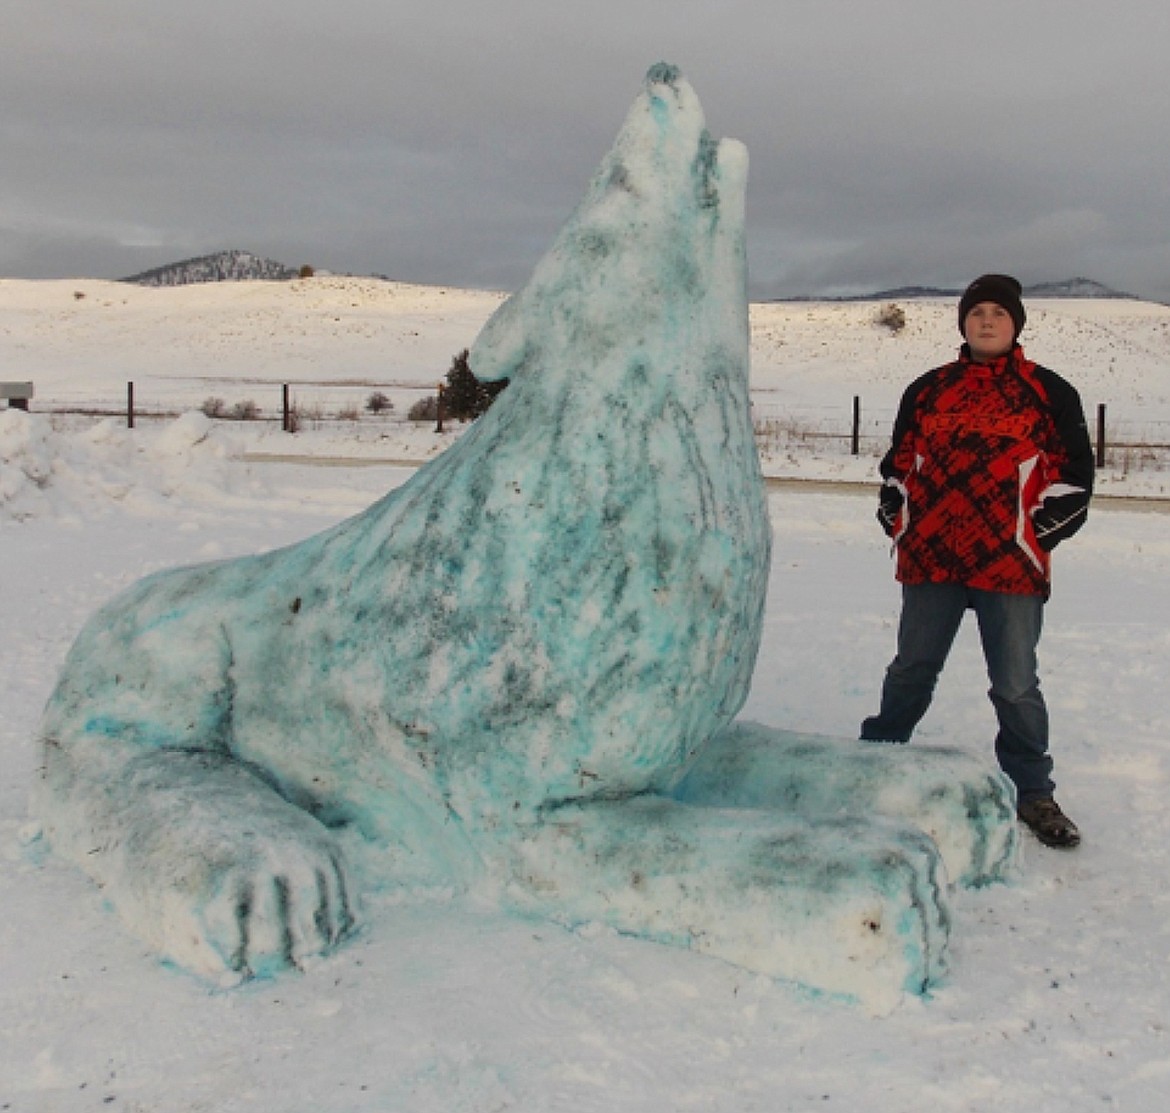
x,y
999,288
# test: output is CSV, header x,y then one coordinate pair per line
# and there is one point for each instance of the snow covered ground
x,y
1059,991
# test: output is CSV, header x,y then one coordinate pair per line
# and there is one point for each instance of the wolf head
x,y
650,266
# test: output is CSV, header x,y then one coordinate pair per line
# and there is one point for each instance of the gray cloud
x,y
905,141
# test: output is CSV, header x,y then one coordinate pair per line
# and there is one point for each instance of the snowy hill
x,y
86,338
223,266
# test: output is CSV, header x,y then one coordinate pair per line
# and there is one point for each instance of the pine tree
x,y
465,397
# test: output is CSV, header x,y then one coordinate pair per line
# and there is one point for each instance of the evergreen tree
x,y
465,397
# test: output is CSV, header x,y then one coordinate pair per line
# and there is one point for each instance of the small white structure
x,y
17,394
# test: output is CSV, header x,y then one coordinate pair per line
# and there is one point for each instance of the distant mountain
x,y
224,266
910,292
1072,288
1069,288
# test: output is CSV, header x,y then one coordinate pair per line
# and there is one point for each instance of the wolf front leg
x,y
200,856
966,807
840,906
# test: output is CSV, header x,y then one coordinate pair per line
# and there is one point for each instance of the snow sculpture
x,y
517,671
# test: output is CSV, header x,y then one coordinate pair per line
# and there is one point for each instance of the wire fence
x,y
1125,443
1121,441
292,407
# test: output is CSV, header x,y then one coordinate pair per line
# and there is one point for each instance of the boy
x,y
989,469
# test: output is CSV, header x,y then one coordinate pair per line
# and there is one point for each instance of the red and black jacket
x,y
989,469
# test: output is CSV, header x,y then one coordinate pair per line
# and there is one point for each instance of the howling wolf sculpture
x,y
516,674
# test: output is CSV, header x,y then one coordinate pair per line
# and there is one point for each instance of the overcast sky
x,y
891,141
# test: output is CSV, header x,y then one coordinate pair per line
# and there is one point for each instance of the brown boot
x,y
1048,823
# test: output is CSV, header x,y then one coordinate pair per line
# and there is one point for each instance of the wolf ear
x,y
501,349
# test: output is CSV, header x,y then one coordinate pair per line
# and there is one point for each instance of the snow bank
x,y
49,473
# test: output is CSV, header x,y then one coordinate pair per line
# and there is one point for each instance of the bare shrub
x,y
891,316
378,403
425,409
776,433
213,407
1128,458
245,411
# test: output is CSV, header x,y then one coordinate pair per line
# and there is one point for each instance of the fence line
x,y
856,428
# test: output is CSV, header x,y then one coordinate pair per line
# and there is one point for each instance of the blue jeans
x,y
1009,628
